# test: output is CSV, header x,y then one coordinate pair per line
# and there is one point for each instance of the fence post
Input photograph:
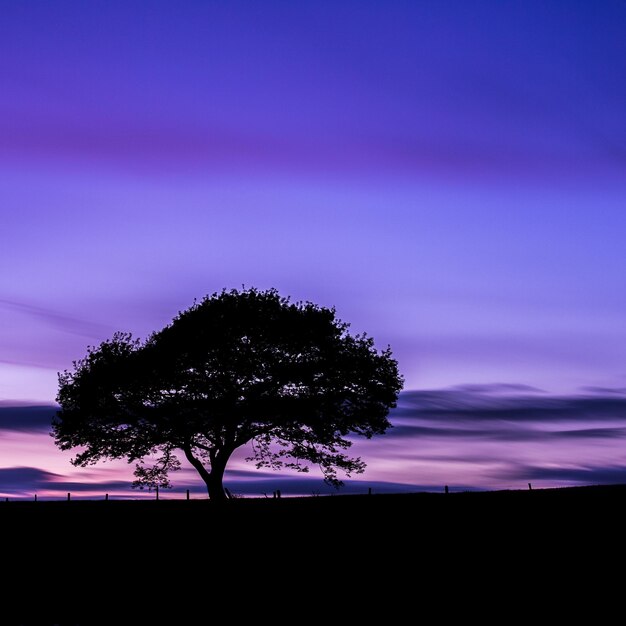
x,y
530,487
106,497
446,488
35,497
278,493
369,491
187,494
68,496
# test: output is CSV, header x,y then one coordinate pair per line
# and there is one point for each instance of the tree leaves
x,y
237,367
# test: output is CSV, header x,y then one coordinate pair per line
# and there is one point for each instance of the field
x,y
143,524
84,558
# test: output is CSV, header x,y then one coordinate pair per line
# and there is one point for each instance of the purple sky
x,y
450,175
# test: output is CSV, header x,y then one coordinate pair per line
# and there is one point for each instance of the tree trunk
x,y
213,479
215,485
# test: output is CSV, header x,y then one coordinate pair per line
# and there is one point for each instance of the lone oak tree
x,y
238,367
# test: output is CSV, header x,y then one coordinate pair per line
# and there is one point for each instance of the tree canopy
x,y
238,367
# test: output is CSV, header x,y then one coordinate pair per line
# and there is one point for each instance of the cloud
x,y
497,388
605,390
74,486
30,480
487,436
24,479
611,474
57,320
152,148
308,485
26,418
507,434
258,482
590,433
489,403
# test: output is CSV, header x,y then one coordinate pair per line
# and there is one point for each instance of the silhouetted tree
x,y
239,367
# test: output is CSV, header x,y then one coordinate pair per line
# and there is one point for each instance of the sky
x,y
450,175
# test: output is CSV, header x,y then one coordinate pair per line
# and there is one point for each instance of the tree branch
x,y
197,463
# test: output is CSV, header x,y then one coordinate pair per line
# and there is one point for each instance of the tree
x,y
239,367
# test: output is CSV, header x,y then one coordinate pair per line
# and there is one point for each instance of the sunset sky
x,y
450,175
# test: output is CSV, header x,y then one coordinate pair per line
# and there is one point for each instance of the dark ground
x,y
87,562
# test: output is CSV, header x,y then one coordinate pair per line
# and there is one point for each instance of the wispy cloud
x,y
489,403
24,479
585,474
487,436
21,481
507,434
195,148
26,419
58,320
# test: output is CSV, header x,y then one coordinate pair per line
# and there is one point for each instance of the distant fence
x,y
105,497
275,494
